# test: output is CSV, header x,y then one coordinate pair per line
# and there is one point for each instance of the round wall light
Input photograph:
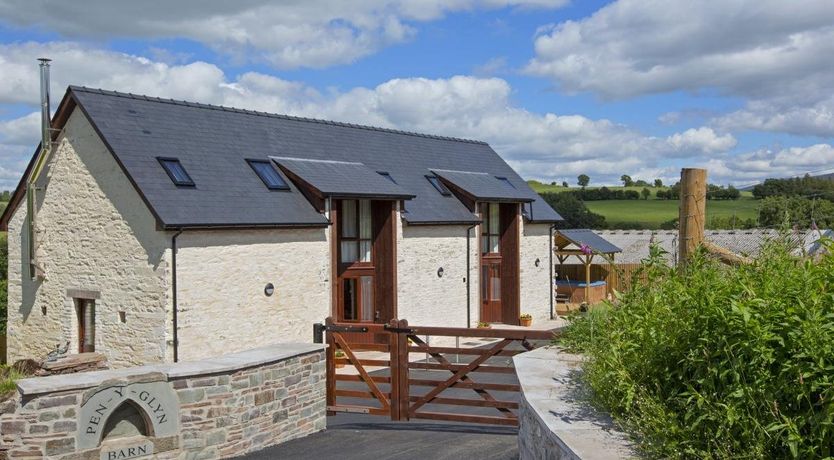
x,y
440,272
269,289
538,262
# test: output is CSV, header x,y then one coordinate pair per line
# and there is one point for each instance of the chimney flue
x,y
46,135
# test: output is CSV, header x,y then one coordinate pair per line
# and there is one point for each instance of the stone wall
x,y
556,420
536,287
223,407
221,276
94,234
426,299
423,298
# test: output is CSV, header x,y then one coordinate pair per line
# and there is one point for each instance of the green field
x,y
651,213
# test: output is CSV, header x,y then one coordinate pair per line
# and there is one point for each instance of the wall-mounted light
x,y
440,272
269,289
538,261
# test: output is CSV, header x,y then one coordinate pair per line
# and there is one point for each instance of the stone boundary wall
x,y
222,407
555,419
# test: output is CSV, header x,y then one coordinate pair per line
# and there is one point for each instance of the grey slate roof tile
x,y
591,239
213,144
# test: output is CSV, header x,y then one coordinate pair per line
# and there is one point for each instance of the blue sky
x,y
558,88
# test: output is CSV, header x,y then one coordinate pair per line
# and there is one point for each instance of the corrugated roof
x,y
213,142
589,238
635,243
342,178
484,186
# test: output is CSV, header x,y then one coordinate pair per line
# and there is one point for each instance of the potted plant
x,y
526,319
339,354
483,325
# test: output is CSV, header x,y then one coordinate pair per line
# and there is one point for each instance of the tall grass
x,y
719,362
8,377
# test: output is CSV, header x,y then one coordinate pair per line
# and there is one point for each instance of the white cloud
x,y
814,120
704,140
546,146
760,164
287,33
771,53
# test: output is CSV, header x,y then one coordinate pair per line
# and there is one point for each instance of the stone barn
x,y
153,230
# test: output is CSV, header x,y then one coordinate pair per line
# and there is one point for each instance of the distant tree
x,y
640,183
553,183
574,211
5,197
658,183
565,184
583,180
795,210
799,186
626,179
645,193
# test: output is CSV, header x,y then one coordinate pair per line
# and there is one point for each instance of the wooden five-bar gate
x,y
402,376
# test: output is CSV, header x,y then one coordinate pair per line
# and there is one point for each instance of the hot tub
x,y
575,291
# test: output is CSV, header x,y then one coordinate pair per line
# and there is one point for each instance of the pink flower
x,y
585,249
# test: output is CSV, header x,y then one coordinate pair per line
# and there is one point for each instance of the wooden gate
x,y
407,377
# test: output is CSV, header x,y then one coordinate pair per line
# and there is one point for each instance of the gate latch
x,y
319,328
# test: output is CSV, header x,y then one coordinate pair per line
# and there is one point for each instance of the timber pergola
x,y
584,244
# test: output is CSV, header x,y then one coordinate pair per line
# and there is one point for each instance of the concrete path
x,y
364,437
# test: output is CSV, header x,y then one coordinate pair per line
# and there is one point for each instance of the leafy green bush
x,y
719,362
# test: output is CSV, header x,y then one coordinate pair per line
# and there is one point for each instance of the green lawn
x,y
651,213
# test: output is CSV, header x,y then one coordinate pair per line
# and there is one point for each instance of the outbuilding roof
x,y
586,237
214,143
636,243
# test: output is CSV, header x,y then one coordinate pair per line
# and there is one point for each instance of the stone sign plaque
x,y
145,406
139,450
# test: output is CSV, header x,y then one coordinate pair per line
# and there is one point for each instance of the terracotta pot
x,y
526,322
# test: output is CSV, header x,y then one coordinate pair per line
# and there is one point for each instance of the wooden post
x,y
588,279
693,203
330,368
402,379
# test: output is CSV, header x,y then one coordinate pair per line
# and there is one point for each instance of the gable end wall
x,y
94,233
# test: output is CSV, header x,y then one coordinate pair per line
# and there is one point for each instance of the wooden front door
x,y
364,262
490,263
499,262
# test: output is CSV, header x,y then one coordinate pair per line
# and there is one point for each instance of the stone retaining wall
x,y
223,407
555,419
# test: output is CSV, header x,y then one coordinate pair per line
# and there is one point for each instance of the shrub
x,y
8,378
719,362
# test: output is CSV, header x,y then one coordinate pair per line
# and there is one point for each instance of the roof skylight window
x,y
435,181
176,172
268,174
386,175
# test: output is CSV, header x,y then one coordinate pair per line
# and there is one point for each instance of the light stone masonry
x,y
224,407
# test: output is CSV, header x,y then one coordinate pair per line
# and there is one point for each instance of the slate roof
x,y
635,243
342,179
212,143
483,186
589,238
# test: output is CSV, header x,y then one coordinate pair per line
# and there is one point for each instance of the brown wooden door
x,y
491,310
365,285
490,262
